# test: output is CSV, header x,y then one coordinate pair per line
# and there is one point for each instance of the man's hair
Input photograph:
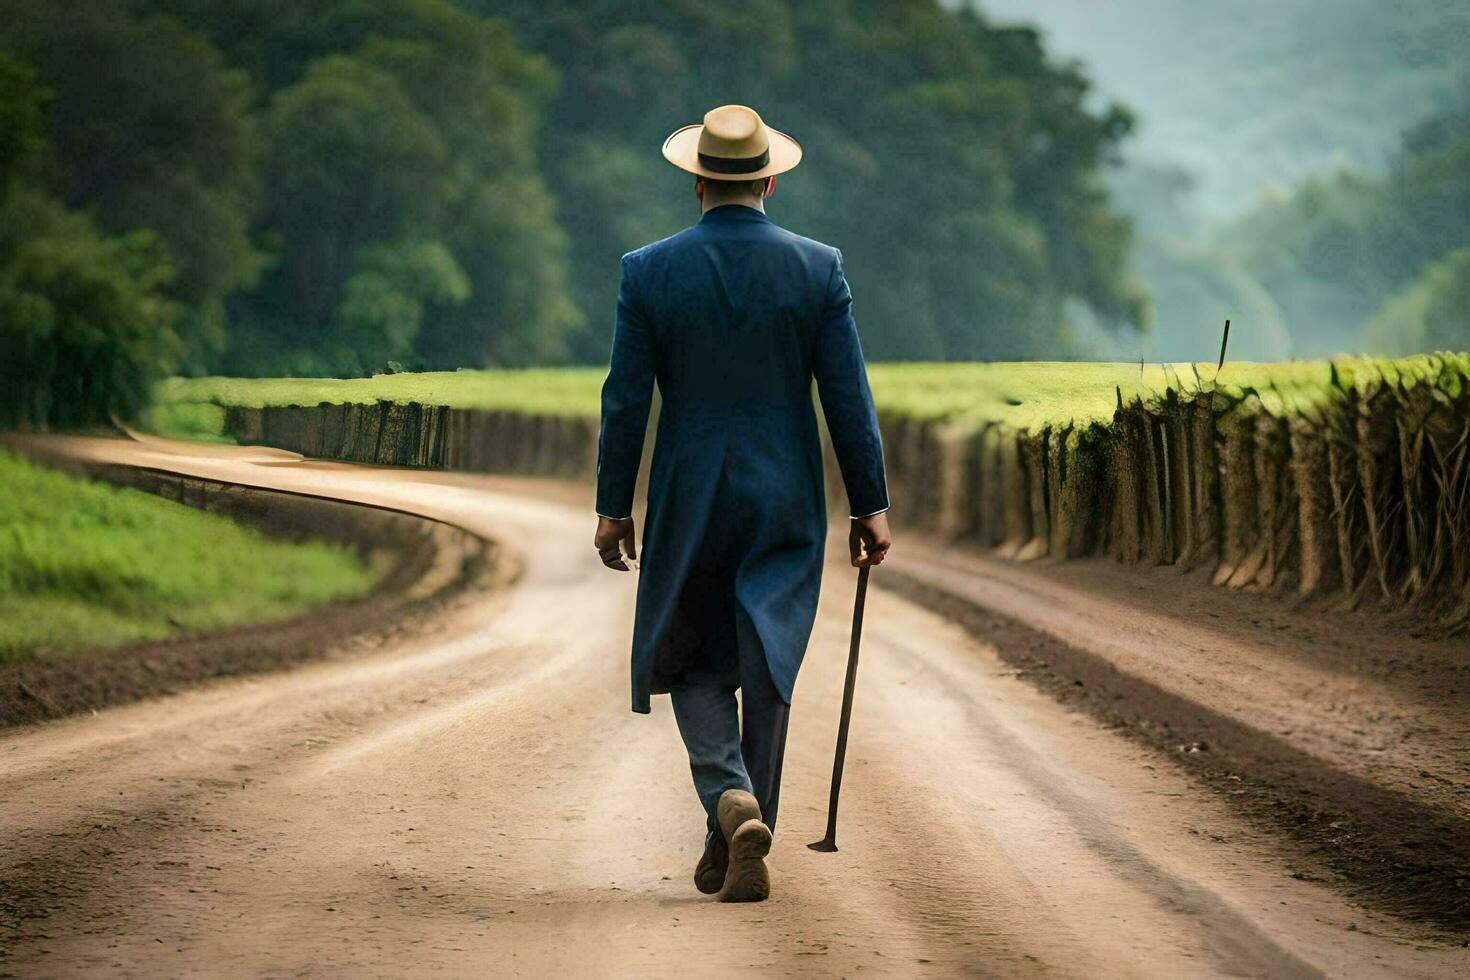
x,y
734,188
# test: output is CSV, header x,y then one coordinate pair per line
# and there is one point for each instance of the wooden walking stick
x,y
829,843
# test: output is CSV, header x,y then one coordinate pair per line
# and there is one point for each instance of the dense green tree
x,y
344,183
954,164
22,120
386,300
392,121
498,213
150,130
351,161
86,327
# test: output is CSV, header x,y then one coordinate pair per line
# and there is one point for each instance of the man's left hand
x,y
615,538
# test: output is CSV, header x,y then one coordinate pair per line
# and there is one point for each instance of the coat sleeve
x,y
626,396
847,402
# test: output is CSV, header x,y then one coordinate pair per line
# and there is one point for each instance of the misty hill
x,y
1253,95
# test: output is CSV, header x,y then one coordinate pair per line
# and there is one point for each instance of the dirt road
x,y
477,800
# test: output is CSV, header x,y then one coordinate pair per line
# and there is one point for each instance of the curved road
x,y
476,799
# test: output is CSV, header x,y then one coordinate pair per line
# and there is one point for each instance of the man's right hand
x,y
614,539
869,540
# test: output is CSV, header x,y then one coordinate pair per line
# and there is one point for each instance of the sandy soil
x,y
478,800
1356,690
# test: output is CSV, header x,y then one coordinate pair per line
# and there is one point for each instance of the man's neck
x,y
746,201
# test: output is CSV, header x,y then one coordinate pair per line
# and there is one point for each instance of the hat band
x,y
735,165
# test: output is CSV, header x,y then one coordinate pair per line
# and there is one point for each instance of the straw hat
x,y
732,144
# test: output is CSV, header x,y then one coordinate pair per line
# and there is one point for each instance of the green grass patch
x,y
200,421
85,565
1017,394
537,391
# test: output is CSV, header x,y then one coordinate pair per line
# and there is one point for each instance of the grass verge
x,y
85,565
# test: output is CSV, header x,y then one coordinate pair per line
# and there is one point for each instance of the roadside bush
x,y
86,328
86,324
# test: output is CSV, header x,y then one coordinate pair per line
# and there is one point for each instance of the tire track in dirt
x,y
479,800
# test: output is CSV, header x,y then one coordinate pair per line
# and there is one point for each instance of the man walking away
x,y
734,318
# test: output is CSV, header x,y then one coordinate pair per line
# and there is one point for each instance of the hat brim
x,y
682,150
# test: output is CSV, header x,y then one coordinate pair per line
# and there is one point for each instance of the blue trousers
x,y
715,651
730,750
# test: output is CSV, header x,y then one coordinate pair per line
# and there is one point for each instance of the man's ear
x,y
770,186
699,189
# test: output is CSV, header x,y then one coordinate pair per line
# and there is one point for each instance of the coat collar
x,y
732,212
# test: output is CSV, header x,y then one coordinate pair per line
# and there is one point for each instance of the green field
x,y
84,565
536,391
1017,394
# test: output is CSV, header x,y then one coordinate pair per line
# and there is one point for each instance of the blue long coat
x,y
734,318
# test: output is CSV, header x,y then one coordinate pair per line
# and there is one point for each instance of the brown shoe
x,y
709,874
748,841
